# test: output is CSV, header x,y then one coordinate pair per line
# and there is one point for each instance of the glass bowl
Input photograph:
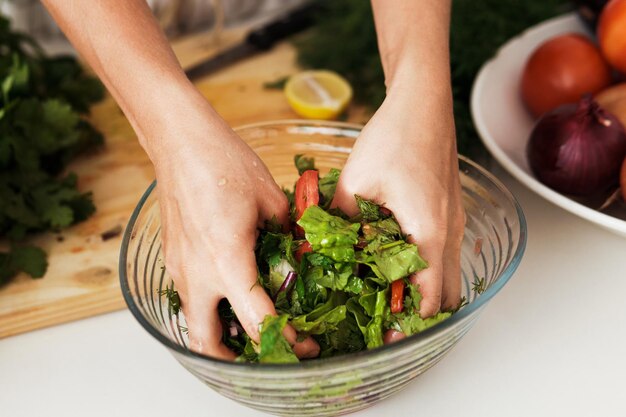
x,y
495,238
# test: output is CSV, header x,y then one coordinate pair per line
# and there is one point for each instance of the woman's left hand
x,y
405,158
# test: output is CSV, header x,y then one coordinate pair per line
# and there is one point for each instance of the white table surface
x,y
551,343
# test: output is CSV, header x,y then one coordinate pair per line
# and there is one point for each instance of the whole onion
x,y
577,148
589,10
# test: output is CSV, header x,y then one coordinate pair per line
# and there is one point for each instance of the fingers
x,y
451,291
252,304
205,329
430,280
344,197
274,205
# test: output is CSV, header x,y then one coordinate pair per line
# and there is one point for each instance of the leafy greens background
x,y
344,40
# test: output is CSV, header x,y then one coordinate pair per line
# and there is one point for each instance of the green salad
x,y
342,280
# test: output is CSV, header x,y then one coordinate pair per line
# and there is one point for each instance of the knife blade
x,y
258,40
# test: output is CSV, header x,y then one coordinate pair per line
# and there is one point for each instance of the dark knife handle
x,y
301,18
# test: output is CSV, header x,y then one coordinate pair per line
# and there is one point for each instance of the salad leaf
x,y
374,333
328,185
274,347
324,318
338,276
375,305
411,324
249,351
330,235
397,260
314,294
303,163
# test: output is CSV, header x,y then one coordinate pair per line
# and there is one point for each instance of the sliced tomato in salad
x,y
305,247
307,192
397,296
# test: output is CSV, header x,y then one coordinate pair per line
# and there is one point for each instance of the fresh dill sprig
x,y
173,299
479,285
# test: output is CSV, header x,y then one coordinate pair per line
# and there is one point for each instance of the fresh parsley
x,y
42,103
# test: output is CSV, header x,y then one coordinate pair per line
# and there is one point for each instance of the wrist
x,y
175,119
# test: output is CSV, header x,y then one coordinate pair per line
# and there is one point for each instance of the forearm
x,y
413,39
124,45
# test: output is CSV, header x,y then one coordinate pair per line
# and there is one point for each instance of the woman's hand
x,y
214,193
405,158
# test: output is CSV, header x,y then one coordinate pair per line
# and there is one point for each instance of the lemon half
x,y
318,94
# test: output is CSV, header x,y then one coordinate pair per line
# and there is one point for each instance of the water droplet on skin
x,y
222,182
228,154
261,179
254,163
235,236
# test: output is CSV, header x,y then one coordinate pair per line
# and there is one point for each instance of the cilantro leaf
x,y
29,259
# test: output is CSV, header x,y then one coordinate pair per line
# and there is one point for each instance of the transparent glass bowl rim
x,y
472,307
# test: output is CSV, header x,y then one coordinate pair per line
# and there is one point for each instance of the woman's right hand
x,y
214,193
213,190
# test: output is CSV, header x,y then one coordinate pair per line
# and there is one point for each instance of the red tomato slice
x,y
307,192
397,296
305,247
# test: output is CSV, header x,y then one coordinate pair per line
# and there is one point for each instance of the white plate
x,y
504,124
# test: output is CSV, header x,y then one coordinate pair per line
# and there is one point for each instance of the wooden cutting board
x,y
82,278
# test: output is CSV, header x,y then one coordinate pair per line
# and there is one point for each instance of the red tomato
x,y
305,247
397,296
612,34
560,71
307,192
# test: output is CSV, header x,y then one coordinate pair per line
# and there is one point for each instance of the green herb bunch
x,y
41,131
344,40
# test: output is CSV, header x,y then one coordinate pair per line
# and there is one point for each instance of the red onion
x,y
577,149
287,284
